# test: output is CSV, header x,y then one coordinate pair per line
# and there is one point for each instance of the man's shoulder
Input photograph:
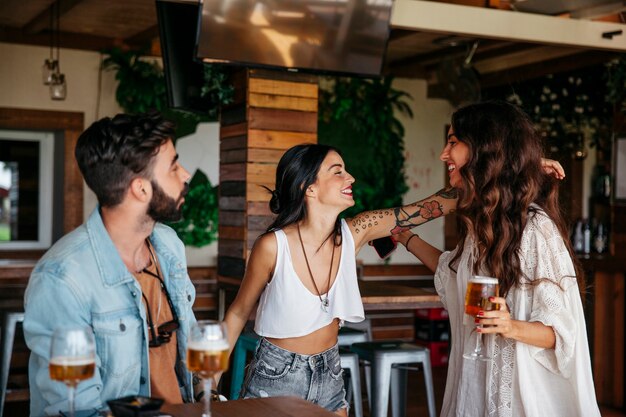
x,y
166,231
70,248
163,235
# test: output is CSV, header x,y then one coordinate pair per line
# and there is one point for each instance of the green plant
x,y
358,116
217,89
141,87
569,109
616,82
198,226
141,83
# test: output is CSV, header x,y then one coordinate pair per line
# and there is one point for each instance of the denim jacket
x,y
83,281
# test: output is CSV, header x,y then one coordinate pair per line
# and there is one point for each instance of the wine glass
x,y
207,354
72,358
479,289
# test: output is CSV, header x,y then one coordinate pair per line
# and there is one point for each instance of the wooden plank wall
x,y
272,112
608,337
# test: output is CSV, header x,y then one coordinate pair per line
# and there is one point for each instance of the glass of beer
x,y
479,289
207,355
72,358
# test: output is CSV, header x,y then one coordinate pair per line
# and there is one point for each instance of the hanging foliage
x,y
141,83
569,109
198,226
141,88
358,116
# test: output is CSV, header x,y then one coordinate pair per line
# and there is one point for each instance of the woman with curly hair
x,y
511,228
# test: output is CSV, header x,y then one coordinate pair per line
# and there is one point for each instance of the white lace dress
x,y
522,380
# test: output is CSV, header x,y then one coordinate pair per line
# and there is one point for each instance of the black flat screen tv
x,y
328,36
178,23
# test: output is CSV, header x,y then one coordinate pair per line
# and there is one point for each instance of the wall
x,y
423,142
93,93
88,90
21,81
201,151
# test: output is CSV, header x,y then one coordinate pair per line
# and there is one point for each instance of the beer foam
x,y
211,345
483,280
72,361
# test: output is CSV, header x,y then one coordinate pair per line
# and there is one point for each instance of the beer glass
x,y
207,355
479,289
72,358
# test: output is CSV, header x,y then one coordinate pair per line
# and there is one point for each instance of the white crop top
x,y
288,309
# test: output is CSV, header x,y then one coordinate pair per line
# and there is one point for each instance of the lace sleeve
x,y
547,264
443,274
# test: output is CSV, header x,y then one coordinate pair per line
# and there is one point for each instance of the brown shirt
x,y
162,359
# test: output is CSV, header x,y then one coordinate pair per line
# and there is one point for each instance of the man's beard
x,y
164,208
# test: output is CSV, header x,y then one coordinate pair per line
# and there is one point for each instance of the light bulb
x,y
49,68
58,87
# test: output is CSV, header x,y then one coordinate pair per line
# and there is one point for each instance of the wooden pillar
x,y
272,111
608,338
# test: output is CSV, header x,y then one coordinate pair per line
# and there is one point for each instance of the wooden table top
x,y
384,296
254,407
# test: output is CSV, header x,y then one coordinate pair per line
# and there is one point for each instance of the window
x,y
26,189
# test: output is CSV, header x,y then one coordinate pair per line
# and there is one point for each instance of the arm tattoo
x,y
427,211
449,193
366,220
404,221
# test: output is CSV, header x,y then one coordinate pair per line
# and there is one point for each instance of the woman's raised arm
x,y
373,224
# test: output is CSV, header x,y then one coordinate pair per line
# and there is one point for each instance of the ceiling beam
x,y
485,48
68,40
42,21
144,38
513,59
539,69
429,16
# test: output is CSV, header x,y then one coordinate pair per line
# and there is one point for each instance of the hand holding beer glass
x,y
479,290
72,358
207,355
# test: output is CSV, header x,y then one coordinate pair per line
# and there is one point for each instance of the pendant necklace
x,y
325,302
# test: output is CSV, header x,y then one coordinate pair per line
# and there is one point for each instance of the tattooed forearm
x,y
409,216
366,220
404,221
451,193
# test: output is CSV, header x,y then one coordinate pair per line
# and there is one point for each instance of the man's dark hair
x,y
113,152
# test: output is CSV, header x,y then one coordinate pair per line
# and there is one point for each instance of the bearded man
x,y
122,274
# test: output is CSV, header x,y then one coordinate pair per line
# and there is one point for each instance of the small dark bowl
x,y
135,406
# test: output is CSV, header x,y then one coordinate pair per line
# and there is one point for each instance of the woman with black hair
x,y
303,269
511,228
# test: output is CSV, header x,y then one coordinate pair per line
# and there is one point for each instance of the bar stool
x,y
247,342
348,335
9,323
350,362
384,357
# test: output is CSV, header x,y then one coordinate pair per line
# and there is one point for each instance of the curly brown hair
x,y
501,179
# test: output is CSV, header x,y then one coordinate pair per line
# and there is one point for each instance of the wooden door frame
x,y
70,125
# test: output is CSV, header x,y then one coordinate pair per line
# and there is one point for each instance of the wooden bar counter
x,y
380,295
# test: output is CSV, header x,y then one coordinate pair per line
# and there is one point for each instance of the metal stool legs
x,y
387,375
350,361
398,388
9,323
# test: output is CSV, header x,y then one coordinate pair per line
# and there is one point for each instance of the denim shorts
x,y
316,378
